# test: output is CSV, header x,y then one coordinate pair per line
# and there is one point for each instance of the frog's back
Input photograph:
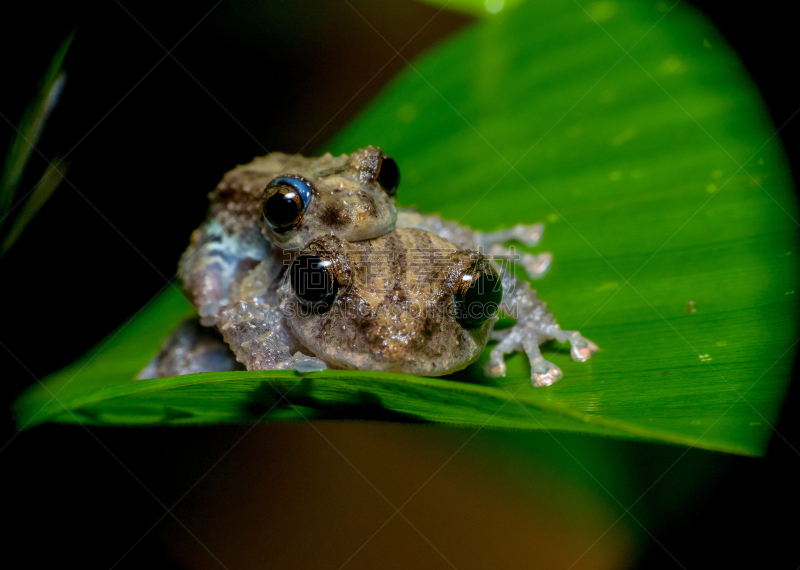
x,y
396,311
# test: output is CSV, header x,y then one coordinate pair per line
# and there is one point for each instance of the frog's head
x,y
297,199
407,302
354,201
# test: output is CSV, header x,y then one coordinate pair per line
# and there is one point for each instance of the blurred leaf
x,y
29,132
47,184
475,7
669,211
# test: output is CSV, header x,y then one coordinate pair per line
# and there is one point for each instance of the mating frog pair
x,y
358,294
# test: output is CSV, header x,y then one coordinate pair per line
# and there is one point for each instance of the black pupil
x,y
389,175
480,301
312,282
283,208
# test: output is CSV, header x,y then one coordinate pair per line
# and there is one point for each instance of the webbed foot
x,y
526,336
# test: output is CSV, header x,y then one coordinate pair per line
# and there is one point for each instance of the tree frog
x,y
263,212
407,301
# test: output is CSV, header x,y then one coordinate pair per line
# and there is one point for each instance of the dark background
x,y
146,140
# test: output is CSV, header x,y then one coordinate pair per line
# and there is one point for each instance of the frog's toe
x,y
536,265
495,368
510,340
544,373
529,235
583,350
305,364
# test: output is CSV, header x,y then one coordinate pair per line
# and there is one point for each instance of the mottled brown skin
x,y
346,198
394,311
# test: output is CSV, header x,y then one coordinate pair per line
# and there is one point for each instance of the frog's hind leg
x,y
465,237
535,265
529,235
189,349
489,243
259,338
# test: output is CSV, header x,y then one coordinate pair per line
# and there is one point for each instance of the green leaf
x,y
669,212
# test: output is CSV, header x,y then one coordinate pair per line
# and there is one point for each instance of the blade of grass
x,y
31,127
47,184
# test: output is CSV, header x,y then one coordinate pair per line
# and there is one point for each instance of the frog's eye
x,y
285,202
388,175
478,293
314,282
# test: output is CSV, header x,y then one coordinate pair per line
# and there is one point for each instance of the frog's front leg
x,y
489,243
217,258
535,325
525,339
259,338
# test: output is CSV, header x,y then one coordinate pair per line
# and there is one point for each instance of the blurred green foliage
x,y
24,144
476,7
